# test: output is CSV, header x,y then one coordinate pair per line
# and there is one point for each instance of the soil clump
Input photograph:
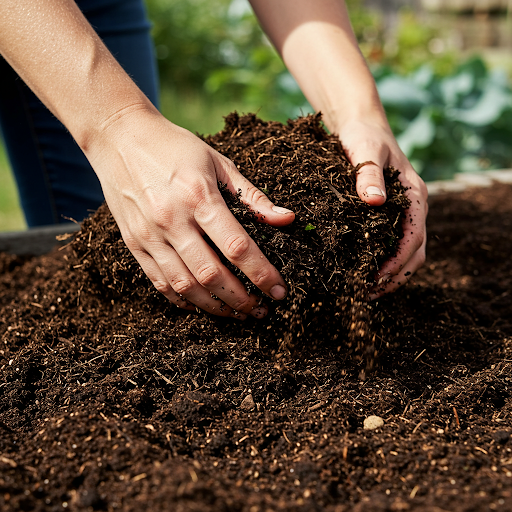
x,y
111,399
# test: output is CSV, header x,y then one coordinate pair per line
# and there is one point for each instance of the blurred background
x,y
443,69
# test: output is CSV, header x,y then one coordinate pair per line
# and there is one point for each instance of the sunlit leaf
x,y
419,134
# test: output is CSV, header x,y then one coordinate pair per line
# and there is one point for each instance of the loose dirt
x,y
112,399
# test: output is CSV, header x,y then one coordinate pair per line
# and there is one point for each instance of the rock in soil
x,y
110,399
372,422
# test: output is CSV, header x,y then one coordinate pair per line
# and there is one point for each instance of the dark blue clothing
x,y
55,180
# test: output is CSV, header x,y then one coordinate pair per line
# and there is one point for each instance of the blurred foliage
x,y
216,47
461,122
412,44
11,216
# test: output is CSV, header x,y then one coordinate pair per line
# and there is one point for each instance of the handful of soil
x,y
328,255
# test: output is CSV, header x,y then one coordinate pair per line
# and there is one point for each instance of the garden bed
x,y
111,399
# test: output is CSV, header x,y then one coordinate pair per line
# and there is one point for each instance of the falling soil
x,y
112,399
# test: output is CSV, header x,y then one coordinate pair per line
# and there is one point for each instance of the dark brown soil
x,y
111,399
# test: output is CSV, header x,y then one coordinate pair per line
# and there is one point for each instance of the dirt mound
x,y
328,256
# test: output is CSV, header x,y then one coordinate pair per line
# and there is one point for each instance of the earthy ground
x,y
111,399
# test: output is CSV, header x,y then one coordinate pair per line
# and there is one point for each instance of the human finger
x,y
173,279
413,226
258,202
390,283
370,185
237,246
207,274
369,159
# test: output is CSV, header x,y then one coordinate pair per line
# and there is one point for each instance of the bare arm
x,y
160,181
318,45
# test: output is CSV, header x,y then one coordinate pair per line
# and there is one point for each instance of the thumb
x,y
262,206
370,184
257,201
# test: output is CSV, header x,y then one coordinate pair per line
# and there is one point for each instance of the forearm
x,y
57,53
318,45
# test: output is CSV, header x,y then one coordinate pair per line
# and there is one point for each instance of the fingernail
x,y
279,209
278,292
259,311
375,191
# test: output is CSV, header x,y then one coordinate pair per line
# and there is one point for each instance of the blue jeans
x,y
55,180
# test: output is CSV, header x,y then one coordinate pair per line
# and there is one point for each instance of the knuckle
x,y
237,247
183,286
137,239
264,276
131,242
423,189
228,165
163,287
203,203
241,304
162,216
421,258
132,239
370,172
209,275
254,195
196,195
160,210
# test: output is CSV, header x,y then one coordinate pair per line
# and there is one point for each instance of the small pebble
x,y
247,403
373,422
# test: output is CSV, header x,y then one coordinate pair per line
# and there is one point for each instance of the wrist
x,y
113,125
341,116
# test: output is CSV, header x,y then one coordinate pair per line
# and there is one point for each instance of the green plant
x,y
447,124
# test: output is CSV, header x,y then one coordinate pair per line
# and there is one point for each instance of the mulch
x,y
113,399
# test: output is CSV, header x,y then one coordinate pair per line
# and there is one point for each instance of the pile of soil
x,y
328,256
111,399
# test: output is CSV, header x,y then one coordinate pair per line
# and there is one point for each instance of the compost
x,y
112,399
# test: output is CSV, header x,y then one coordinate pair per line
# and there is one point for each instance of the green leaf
x,y
309,227
419,134
454,87
490,106
402,93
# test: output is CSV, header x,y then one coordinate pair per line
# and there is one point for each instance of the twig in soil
x,y
419,355
456,417
414,430
8,461
163,376
337,193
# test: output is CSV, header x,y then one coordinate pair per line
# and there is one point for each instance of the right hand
x,y
365,141
160,183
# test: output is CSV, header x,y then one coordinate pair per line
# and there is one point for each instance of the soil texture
x,y
112,399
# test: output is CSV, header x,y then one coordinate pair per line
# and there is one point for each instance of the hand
x,y
362,142
161,184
